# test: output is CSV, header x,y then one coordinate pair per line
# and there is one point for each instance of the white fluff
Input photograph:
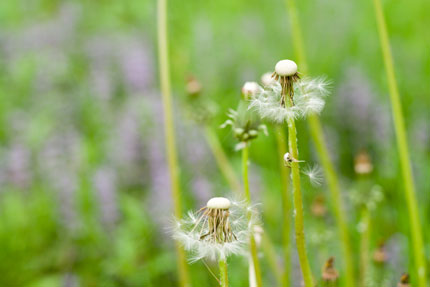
x,y
267,79
188,232
308,99
250,89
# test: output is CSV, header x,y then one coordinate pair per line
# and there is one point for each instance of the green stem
x,y
252,244
223,272
270,253
298,206
169,131
402,145
234,183
320,145
364,246
335,194
281,140
222,161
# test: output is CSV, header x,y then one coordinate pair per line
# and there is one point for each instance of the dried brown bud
x,y
380,255
193,86
363,164
329,273
318,207
404,281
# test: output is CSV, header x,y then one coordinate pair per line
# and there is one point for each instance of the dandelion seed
x,y
288,159
315,174
216,231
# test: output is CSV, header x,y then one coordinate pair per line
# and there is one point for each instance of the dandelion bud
x,y
238,131
329,273
253,133
245,124
363,164
250,89
285,68
193,86
404,281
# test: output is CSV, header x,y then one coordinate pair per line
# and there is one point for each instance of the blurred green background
x,y
85,198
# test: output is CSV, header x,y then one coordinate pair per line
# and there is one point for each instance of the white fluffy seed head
x,y
266,79
286,68
250,89
219,203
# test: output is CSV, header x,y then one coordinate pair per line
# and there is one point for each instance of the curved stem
x,y
321,147
223,272
222,161
270,253
402,145
298,206
281,140
335,195
169,131
252,244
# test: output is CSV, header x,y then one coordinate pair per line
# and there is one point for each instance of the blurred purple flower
x,y
137,65
359,109
58,162
17,166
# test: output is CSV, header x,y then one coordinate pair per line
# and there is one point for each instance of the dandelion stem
x,y
252,244
298,205
223,272
281,140
169,131
320,145
402,145
222,161
364,245
235,185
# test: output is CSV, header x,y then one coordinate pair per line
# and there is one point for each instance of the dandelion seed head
x,y
218,230
308,99
249,89
267,79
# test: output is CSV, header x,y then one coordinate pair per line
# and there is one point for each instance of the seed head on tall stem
x,y
286,73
